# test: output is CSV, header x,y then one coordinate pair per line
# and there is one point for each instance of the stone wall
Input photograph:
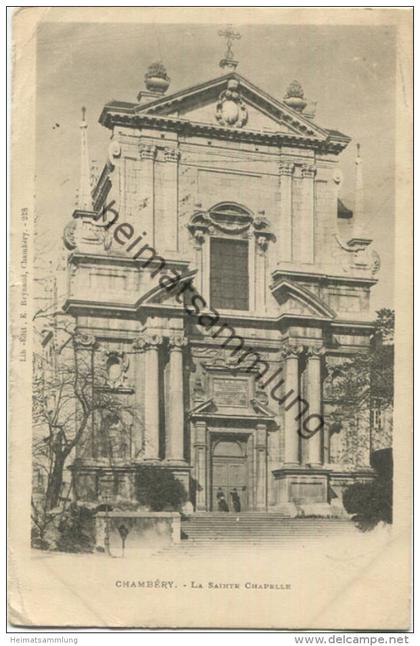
x,y
142,530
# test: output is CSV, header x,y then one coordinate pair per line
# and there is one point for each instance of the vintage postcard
x,y
211,342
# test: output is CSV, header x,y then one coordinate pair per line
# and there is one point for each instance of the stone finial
x,y
294,97
156,79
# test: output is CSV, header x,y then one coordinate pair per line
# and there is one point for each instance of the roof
x,y
167,112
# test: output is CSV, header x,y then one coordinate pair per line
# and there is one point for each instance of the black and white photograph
x,y
208,319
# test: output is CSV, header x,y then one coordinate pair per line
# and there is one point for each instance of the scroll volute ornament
x,y
147,341
293,351
84,341
177,341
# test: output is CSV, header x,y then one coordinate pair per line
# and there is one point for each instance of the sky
x,y
348,70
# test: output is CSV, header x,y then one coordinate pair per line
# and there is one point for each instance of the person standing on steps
x,y
221,500
236,500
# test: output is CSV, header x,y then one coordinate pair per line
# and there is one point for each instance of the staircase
x,y
258,527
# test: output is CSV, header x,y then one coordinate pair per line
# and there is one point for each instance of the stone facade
x,y
226,398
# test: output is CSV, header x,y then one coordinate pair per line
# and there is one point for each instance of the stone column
x,y
261,467
291,424
150,344
312,419
200,448
175,419
147,192
284,229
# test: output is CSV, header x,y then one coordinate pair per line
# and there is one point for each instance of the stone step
x,y
250,524
249,536
211,529
264,523
240,526
254,524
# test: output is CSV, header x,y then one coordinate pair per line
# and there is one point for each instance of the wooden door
x,y
229,473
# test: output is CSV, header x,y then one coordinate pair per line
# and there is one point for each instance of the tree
x,y
365,383
69,387
366,380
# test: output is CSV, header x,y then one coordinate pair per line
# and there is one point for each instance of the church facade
x,y
217,278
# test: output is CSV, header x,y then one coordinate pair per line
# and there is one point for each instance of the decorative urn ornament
x,y
295,97
156,78
230,109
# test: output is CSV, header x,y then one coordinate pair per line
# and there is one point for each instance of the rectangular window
x,y
229,282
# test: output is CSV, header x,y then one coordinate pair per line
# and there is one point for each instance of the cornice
x,y
321,277
365,325
111,118
251,418
132,311
80,257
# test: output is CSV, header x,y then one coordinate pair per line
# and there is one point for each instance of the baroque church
x,y
218,278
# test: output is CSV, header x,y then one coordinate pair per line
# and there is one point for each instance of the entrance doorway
x,y
229,472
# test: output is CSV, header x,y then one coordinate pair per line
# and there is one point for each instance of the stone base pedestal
x,y
300,486
94,482
311,491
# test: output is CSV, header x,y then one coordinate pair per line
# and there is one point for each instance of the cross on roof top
x,y
230,36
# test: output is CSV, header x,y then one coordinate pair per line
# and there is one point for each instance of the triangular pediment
x,y
294,300
256,119
256,412
259,111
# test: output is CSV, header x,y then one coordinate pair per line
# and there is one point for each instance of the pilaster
x,y
200,450
307,233
303,213
283,230
167,234
261,467
147,153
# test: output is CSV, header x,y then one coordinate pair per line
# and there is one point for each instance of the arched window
x,y
229,280
229,262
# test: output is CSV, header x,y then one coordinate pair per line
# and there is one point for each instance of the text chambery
x,y
197,585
